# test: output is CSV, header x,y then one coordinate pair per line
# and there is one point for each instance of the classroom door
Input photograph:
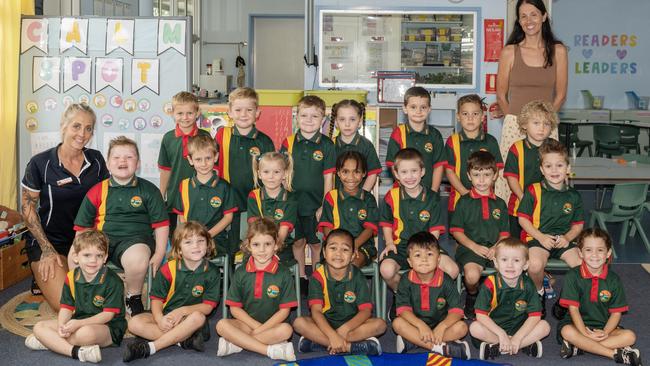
x,y
278,47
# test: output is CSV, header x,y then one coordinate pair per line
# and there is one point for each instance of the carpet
x,y
386,359
19,314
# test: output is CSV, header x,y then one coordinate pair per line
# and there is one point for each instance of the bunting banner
x,y
119,34
109,72
145,74
171,34
74,33
46,71
33,33
76,72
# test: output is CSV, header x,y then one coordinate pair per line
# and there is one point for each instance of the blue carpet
x,y
388,359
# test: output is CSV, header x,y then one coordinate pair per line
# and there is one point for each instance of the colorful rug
x,y
389,359
19,314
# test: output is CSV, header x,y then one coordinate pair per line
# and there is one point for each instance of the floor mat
x,y
19,314
386,359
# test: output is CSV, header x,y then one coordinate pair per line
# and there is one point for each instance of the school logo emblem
x,y
567,208
520,305
98,301
273,291
254,151
317,155
424,215
215,201
496,213
440,303
349,297
136,201
197,290
278,214
362,214
605,296
428,147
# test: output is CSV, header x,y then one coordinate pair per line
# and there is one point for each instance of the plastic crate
x,y
280,98
332,97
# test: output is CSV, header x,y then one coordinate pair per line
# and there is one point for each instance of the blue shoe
x,y
306,346
369,347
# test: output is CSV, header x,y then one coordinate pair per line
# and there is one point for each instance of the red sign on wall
x,y
490,83
493,30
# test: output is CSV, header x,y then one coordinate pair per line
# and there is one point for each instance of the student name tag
x,y
64,181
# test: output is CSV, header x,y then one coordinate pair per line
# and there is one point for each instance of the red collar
x,y
179,133
584,272
271,268
485,206
436,280
474,194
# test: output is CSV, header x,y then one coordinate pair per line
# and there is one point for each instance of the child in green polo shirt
x,y
172,158
595,297
417,134
131,211
461,145
260,297
508,310
428,305
478,224
550,214
238,146
314,157
184,293
348,116
339,301
274,199
537,119
92,305
205,197
352,208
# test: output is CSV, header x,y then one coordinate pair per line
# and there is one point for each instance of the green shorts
x,y
306,227
117,328
555,253
117,245
465,255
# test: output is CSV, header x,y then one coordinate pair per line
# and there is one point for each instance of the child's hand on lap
x,y
343,331
155,261
490,254
596,334
438,333
481,251
561,242
504,343
389,248
426,335
337,344
515,343
548,242
71,326
62,332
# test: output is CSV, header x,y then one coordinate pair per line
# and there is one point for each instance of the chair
x,y
573,138
630,138
145,289
223,262
608,140
628,202
372,271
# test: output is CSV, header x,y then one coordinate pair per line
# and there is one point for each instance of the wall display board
x,y
126,69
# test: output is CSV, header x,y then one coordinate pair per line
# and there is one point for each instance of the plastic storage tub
x,y
270,97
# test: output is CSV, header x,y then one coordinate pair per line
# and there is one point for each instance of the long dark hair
x,y
549,39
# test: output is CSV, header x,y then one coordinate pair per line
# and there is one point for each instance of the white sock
x,y
269,350
541,292
438,348
152,348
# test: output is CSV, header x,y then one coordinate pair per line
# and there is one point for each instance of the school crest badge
x,y
362,214
136,201
278,214
197,290
273,291
254,151
520,305
440,303
215,201
428,147
98,301
424,216
317,155
604,296
567,208
349,297
496,213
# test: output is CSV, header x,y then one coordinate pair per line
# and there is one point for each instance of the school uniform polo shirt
x,y
173,158
175,285
482,218
61,192
522,163
362,145
262,292
353,213
236,154
428,142
508,307
282,209
341,300
430,301
458,149
312,159
206,202
597,296
133,209
551,211
104,293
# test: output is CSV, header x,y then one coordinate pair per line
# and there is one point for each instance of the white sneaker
x,y
281,351
33,343
90,354
226,348
399,344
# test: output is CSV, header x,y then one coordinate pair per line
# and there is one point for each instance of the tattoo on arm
x,y
33,222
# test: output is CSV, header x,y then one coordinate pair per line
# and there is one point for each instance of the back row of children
x,y
409,208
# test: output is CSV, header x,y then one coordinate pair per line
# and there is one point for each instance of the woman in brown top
x,y
533,65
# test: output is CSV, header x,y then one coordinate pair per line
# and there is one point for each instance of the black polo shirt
x,y
61,192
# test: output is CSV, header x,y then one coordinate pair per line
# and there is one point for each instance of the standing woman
x,y
54,184
532,66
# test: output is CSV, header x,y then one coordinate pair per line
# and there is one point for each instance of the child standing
x,y
131,211
274,199
205,197
260,297
313,157
339,301
428,305
461,145
508,310
536,120
184,293
238,146
417,134
172,158
478,224
349,116
596,300
92,305
550,215
352,208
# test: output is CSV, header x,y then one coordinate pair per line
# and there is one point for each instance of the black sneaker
x,y
533,350
369,347
392,311
135,350
305,346
403,346
134,305
195,342
456,349
628,356
488,351
567,350
542,298
304,286
36,291
559,311
470,299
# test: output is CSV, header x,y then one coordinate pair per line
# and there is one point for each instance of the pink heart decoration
x,y
621,54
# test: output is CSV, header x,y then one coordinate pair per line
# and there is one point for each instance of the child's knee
x,y
471,274
380,326
388,269
285,330
629,338
544,328
476,329
300,323
568,332
449,266
222,325
196,319
536,265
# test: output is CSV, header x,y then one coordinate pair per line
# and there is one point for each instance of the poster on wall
x,y
34,33
493,30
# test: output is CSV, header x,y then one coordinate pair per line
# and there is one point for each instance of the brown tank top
x,y
528,83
